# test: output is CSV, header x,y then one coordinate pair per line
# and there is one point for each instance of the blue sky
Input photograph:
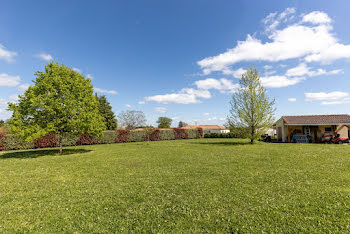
x,y
183,59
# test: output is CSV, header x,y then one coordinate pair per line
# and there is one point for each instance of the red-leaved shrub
x,y
154,136
180,133
122,136
2,141
86,139
49,140
200,133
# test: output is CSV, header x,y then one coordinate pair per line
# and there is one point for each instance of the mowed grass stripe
x,y
206,185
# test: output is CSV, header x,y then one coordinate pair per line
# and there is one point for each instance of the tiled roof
x,y
316,119
204,127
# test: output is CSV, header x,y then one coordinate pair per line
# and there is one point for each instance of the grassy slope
x,y
192,185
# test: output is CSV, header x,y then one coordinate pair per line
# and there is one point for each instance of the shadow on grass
x,y
222,143
39,153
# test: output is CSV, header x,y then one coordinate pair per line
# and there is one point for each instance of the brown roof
x,y
316,119
204,127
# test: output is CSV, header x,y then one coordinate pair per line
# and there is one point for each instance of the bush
x,y
192,133
14,142
122,136
180,133
108,137
2,141
69,140
221,135
136,136
47,141
200,133
154,136
86,139
166,134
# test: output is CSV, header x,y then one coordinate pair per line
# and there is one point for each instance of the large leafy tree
x,y
164,122
106,112
251,109
130,119
182,124
60,101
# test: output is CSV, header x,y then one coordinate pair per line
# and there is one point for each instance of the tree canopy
x,y
130,119
251,109
182,124
164,122
106,112
60,101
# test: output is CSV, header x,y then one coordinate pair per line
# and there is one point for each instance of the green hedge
x,y
14,142
221,135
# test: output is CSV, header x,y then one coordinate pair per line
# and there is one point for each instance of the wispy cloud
x,y
45,56
113,92
160,110
6,54
8,80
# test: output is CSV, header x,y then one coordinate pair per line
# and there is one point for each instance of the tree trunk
x,y
252,135
60,144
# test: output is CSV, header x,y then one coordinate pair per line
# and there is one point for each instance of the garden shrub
x,y
136,136
14,142
166,134
69,140
122,136
180,133
108,137
192,133
200,133
221,135
49,140
2,141
154,136
86,139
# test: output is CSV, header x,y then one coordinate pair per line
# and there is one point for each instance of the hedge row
x,y
13,142
221,135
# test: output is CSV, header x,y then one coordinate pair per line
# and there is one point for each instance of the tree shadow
x,y
222,143
40,153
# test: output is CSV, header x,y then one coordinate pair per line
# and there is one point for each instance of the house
x,y
313,126
209,128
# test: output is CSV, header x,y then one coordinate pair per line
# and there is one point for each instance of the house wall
x,y
216,130
343,131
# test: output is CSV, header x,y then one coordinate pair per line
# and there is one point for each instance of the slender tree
x,y
164,122
130,119
60,101
106,112
182,124
251,109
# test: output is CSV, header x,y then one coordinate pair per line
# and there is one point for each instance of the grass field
x,y
206,185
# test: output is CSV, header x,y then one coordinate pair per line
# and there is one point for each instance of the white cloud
x,y
4,114
267,67
160,110
142,102
127,105
331,98
322,96
206,114
175,118
223,85
6,54
185,96
180,98
76,70
8,80
309,42
3,103
14,97
279,81
105,91
303,70
235,73
292,99
44,56
317,17
23,87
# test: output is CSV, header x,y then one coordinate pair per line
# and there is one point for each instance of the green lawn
x,y
206,185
